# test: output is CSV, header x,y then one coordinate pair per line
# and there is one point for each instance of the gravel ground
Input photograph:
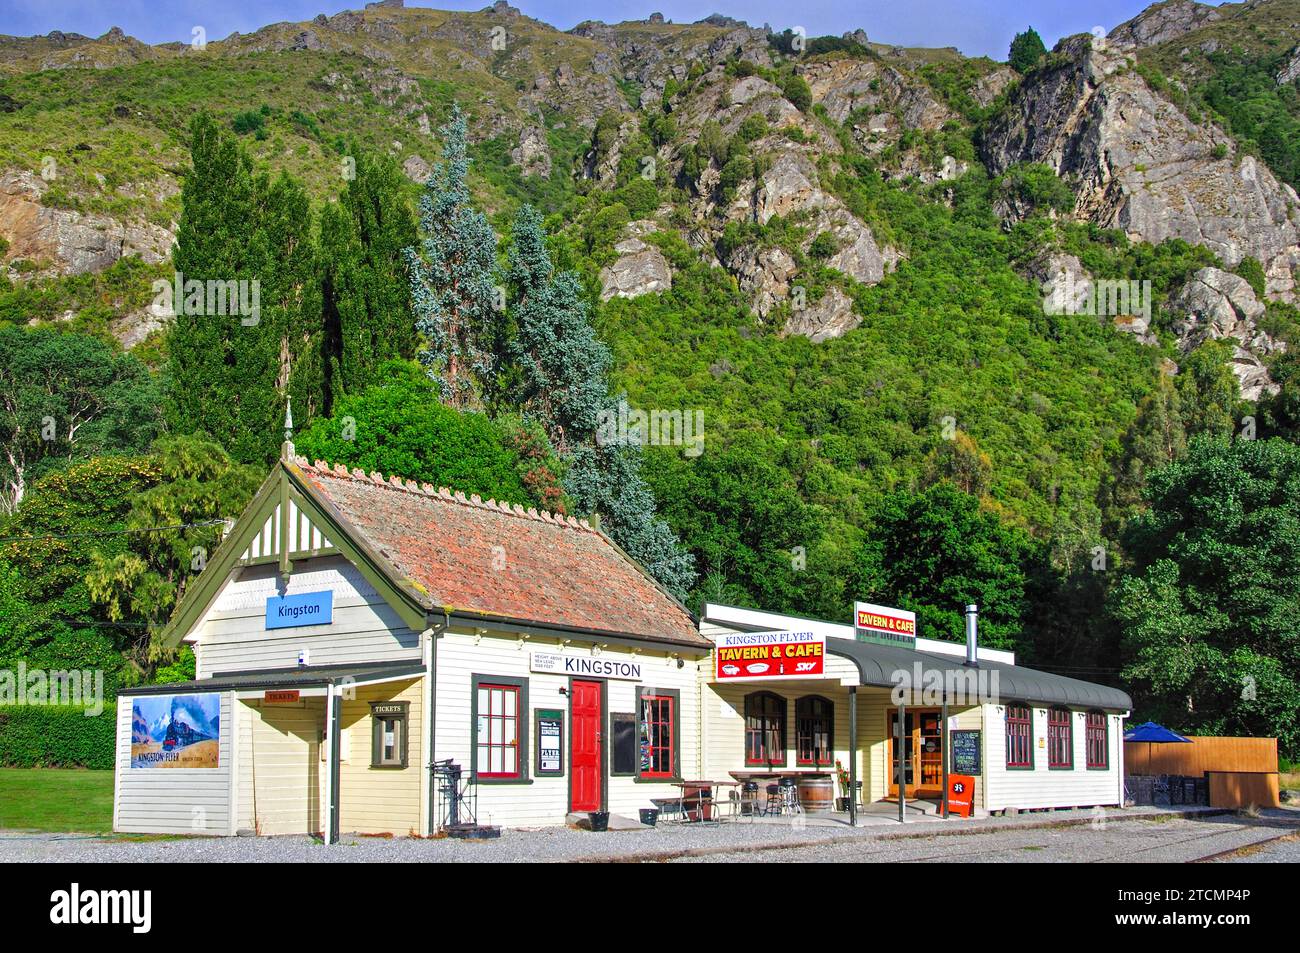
x,y
1285,851
1139,841
991,839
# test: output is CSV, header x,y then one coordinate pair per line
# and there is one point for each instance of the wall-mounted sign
x,y
884,625
965,747
586,665
302,608
283,697
769,655
176,731
550,742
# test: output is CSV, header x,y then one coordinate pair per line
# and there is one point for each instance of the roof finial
x,y
286,450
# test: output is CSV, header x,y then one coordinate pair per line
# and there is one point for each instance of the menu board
x,y
550,742
965,751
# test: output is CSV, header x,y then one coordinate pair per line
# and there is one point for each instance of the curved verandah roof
x,y
877,664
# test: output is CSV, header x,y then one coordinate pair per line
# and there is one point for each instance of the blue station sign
x,y
303,608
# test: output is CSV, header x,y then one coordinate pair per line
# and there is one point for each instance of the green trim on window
x,y
1006,718
1069,724
376,734
521,719
675,773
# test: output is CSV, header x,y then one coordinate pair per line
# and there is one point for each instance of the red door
x,y
585,759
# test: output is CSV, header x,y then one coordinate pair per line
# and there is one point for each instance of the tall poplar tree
x,y
454,281
365,288
230,374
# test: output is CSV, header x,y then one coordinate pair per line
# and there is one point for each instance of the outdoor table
x,y
702,794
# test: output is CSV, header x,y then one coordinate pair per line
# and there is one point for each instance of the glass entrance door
x,y
909,753
922,748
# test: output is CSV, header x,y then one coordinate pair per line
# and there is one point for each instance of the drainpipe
x,y
431,636
972,636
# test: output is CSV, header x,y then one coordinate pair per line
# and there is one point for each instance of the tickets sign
x,y
884,625
769,655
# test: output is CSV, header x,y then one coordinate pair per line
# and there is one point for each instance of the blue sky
x,y
973,26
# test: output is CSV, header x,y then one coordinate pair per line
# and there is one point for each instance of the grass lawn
x,y
56,799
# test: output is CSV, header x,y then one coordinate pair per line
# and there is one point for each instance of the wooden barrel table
x,y
817,793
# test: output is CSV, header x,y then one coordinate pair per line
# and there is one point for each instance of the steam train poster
x,y
175,731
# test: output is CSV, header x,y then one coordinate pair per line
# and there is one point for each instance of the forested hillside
x,y
919,329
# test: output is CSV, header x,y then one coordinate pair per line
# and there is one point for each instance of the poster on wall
x,y
175,731
769,655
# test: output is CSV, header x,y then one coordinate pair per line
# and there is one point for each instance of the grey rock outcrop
x,y
831,317
1290,71
1139,164
763,274
533,154
640,269
788,189
66,242
1162,22
416,169
1218,305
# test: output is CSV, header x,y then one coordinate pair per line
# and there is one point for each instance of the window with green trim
x,y
1060,738
764,729
1020,736
658,735
1097,740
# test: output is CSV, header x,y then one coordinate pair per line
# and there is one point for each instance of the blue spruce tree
x,y
453,280
564,384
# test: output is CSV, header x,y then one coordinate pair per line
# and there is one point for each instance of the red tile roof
x,y
499,560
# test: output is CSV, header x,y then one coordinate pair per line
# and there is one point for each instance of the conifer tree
x,y
453,280
365,290
564,385
563,366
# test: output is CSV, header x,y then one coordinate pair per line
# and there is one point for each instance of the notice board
x,y
550,742
966,749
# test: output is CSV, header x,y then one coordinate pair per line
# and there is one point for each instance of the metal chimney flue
x,y
972,635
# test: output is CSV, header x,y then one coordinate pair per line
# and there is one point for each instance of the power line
x,y
111,532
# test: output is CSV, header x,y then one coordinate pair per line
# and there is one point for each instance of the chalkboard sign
x,y
965,751
550,742
624,755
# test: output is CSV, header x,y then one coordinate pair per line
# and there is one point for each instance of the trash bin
x,y
649,816
599,820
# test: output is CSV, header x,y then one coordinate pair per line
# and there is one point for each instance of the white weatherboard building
x,y
353,631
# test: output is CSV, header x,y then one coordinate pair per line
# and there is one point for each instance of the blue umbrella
x,y
1155,734
1152,733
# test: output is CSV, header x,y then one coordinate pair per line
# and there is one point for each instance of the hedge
x,y
50,736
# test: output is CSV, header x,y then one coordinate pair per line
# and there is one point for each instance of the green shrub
x,y
797,90
57,736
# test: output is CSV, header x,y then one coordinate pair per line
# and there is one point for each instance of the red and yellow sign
x,y
769,655
282,697
884,624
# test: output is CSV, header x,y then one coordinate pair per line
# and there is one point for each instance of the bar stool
x,y
775,799
789,791
749,806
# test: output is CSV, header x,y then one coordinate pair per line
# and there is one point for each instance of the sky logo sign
x,y
302,608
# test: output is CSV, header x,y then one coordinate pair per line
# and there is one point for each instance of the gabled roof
x,y
433,552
